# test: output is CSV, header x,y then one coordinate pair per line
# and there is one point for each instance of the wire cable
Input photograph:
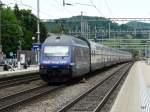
x,y
36,9
29,6
108,7
64,8
101,14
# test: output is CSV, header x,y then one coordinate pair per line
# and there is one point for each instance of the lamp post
x,y
1,4
38,22
38,30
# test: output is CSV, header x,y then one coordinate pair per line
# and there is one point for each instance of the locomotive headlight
x,y
45,62
72,64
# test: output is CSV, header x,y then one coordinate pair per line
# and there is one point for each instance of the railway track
x,y
8,101
14,80
95,98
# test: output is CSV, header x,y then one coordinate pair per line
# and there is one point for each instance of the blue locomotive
x,y
64,57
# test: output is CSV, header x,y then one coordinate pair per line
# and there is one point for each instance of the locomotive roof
x,y
63,40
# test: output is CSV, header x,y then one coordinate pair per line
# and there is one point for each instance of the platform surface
x,y
32,69
134,95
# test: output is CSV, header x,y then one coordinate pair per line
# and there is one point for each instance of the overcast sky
x,y
51,9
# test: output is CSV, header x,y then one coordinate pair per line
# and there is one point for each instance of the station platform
x,y
16,72
134,95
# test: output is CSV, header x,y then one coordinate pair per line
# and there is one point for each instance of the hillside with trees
x,y
73,23
117,40
138,25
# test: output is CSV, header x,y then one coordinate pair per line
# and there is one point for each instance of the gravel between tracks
x,y
54,101
14,89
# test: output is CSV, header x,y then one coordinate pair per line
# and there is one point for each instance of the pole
x,y
109,30
114,41
95,32
102,35
0,25
38,22
89,36
38,30
149,46
87,31
81,23
146,50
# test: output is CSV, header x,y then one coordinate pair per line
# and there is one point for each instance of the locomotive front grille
x,y
59,72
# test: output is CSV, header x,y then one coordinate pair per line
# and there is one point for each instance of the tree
x,y
28,23
58,29
19,26
10,31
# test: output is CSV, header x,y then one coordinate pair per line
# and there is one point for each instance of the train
x,y
64,57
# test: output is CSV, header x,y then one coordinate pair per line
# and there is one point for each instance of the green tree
x,y
10,31
58,29
28,23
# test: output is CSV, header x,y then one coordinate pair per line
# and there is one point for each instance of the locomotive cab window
x,y
56,50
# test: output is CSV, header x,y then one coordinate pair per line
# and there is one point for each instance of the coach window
x,y
82,53
93,52
78,52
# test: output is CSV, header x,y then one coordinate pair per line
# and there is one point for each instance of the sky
x,y
52,9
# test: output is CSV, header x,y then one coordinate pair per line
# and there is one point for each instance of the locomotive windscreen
x,y
56,50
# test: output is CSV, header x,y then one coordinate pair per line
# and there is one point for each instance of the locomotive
x,y
64,57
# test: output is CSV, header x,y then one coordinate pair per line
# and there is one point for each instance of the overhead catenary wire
x,y
98,10
64,8
108,7
30,7
36,9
